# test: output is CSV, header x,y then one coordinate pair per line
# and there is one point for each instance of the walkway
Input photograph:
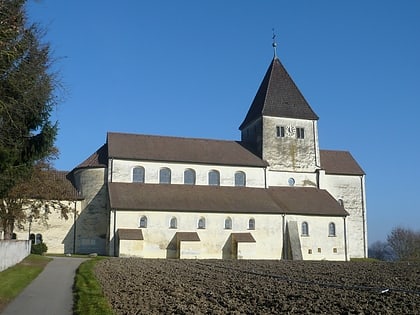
x,y
50,293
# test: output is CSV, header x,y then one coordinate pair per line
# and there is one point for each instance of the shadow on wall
x,y
89,231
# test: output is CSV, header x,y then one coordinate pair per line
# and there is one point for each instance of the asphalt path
x,y
51,293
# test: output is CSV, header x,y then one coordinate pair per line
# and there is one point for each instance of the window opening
x,y
214,178
240,179
138,174
189,177
143,222
165,176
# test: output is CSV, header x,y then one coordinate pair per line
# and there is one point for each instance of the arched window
x,y
138,174
228,223
305,229
240,179
38,239
189,177
32,238
202,223
173,224
331,229
251,224
214,178
165,176
143,222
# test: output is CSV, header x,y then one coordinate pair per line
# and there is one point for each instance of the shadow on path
x,y
50,293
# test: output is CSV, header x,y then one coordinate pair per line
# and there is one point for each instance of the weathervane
x,y
274,44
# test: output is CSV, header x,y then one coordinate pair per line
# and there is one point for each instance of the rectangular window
x,y
300,133
280,131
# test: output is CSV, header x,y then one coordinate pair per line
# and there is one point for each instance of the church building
x,y
273,194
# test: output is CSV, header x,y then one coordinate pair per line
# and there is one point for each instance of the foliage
x,y
381,251
405,243
39,249
34,198
14,279
27,97
89,298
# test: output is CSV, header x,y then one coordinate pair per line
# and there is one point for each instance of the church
x,y
273,194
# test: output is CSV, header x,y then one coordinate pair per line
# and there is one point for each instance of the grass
x,y
89,298
14,279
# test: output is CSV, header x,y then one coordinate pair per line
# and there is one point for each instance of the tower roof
x,y
278,96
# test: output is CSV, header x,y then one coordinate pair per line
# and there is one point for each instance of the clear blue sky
x,y
191,68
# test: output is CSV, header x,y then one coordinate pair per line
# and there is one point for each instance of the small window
x,y
240,179
309,251
214,178
341,202
228,223
280,131
251,224
300,133
32,238
173,224
38,239
165,176
331,229
305,229
143,222
189,177
335,250
319,249
202,223
138,174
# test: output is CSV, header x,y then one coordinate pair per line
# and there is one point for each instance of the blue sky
x,y
192,68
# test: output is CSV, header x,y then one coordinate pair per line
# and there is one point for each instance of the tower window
x,y
280,131
300,133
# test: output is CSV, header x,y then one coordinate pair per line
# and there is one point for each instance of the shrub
x,y
39,249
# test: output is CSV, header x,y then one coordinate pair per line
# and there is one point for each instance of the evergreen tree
x,y
27,96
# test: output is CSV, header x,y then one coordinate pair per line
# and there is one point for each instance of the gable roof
x,y
176,149
340,163
278,96
222,199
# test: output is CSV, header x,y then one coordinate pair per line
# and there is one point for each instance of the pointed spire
x,y
274,44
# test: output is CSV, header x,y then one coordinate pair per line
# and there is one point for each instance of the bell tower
x,y
280,126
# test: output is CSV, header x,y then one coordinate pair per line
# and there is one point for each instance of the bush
x,y
39,249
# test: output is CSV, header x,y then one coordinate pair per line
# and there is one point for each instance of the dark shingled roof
x,y
243,237
174,149
339,162
221,199
130,234
278,96
306,200
97,159
187,236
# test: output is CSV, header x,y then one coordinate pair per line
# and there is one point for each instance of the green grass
x,y
14,279
89,299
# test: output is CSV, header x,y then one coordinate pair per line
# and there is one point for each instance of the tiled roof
x,y
339,162
278,96
187,236
243,237
175,149
130,234
220,199
97,159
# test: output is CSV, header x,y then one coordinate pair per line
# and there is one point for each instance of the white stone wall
x,y
318,245
214,239
350,189
57,232
122,172
277,178
93,222
289,153
13,252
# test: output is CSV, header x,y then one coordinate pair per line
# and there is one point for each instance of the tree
x,y
27,87
405,243
35,197
382,251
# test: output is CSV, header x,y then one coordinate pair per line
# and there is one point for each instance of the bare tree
x,y
382,251
405,243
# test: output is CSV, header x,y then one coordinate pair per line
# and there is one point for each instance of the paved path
x,y
51,293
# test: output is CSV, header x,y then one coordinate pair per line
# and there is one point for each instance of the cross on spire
x,y
274,44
